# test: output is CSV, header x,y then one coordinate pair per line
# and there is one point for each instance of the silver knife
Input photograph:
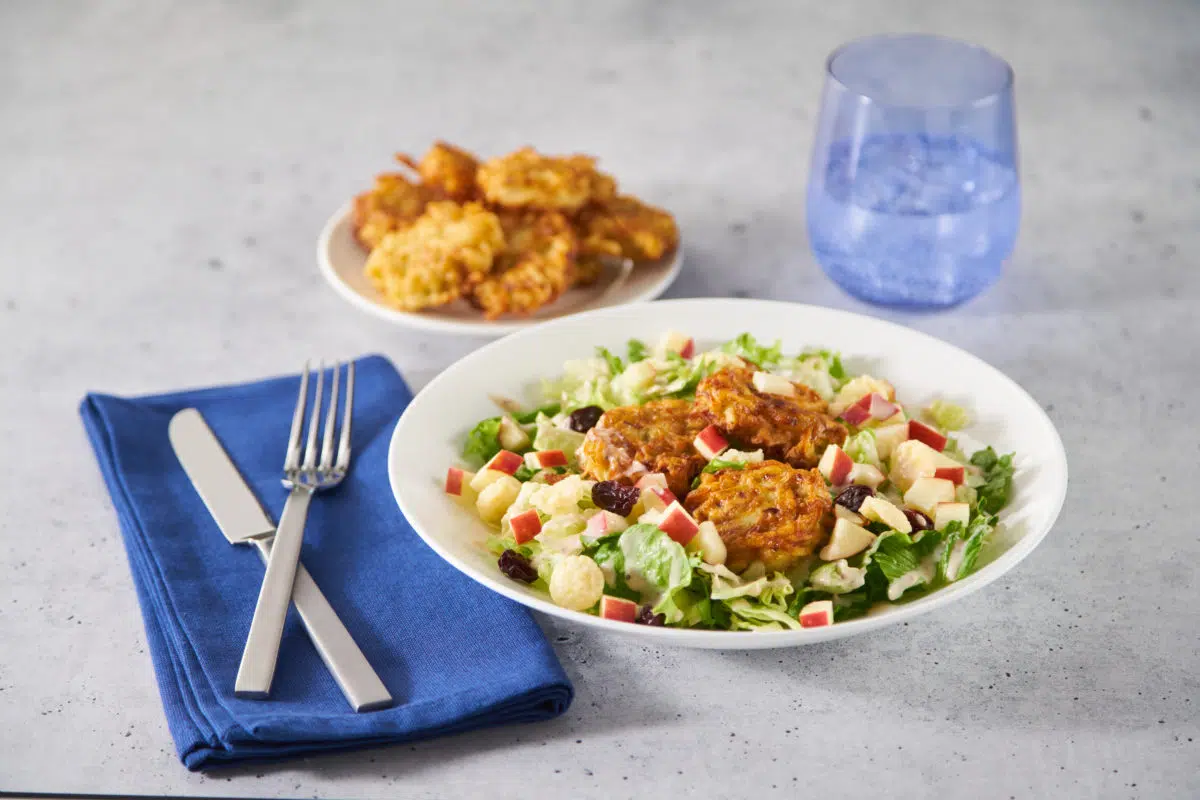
x,y
242,520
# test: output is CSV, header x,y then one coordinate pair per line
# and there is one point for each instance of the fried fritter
x,y
443,255
658,436
768,512
625,227
535,268
792,429
446,170
588,270
393,204
528,179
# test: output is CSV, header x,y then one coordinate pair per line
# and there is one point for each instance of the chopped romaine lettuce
x,y
746,615
548,436
747,347
636,351
947,416
837,577
655,565
862,448
998,477
615,365
529,417
482,442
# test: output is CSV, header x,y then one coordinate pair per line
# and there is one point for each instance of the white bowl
x,y
342,260
428,436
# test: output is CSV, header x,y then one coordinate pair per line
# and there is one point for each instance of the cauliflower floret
x,y
521,503
560,498
742,456
496,497
576,583
853,391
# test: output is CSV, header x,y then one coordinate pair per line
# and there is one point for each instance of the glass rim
x,y
1005,86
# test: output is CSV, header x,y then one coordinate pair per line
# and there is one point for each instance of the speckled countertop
x,y
164,170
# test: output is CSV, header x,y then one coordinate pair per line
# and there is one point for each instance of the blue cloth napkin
x,y
454,655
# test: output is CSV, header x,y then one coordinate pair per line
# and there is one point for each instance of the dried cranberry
x,y
852,496
517,567
648,617
584,419
918,520
612,496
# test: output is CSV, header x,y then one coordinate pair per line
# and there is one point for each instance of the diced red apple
x,y
859,412
910,460
525,525
880,408
767,383
817,614
505,461
652,479
923,433
456,480
835,465
945,513
926,493
710,442
618,608
866,475
877,509
678,524
847,539
676,342
955,475
657,498
708,543
511,435
841,512
888,438
544,459
604,522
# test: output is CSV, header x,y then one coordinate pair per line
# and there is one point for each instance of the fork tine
x,y
314,423
343,454
292,460
330,419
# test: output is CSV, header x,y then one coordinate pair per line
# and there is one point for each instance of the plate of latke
x,y
455,244
734,474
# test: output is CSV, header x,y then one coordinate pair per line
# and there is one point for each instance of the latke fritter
x,y
625,227
446,170
393,204
768,512
528,179
657,435
792,429
444,254
535,268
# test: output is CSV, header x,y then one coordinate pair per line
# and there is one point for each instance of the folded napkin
x,y
454,655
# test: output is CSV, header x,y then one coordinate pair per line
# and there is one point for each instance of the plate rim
x,y
433,324
733,640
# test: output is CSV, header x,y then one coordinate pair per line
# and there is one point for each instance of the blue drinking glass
x,y
913,197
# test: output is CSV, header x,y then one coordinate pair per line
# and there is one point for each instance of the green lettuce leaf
x,y
548,436
746,346
615,365
482,442
947,416
636,351
862,449
746,615
529,417
998,478
655,566
837,577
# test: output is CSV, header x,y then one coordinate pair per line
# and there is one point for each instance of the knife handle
x,y
359,683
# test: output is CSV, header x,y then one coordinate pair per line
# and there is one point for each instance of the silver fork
x,y
304,476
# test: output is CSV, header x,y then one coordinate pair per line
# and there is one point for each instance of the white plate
x,y
428,436
342,259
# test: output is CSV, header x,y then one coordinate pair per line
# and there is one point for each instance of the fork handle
x,y
266,629
358,681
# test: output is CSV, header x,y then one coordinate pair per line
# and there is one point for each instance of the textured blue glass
x,y
913,195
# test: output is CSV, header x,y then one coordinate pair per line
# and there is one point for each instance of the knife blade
x,y
241,519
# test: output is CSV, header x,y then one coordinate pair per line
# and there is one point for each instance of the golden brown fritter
x,y
535,268
446,170
528,179
588,270
768,512
657,435
393,204
444,254
792,429
625,227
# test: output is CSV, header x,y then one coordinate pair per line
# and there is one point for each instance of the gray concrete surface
x,y
164,170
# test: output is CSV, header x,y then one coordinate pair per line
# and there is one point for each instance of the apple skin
x,y
618,608
506,461
689,348
923,433
955,475
859,412
678,524
817,614
766,383
525,526
880,407
544,459
710,442
835,465
455,481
